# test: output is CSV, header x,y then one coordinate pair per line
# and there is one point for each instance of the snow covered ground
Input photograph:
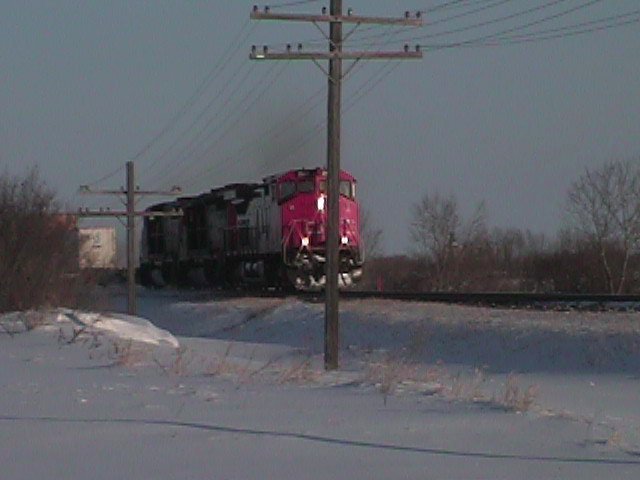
x,y
235,389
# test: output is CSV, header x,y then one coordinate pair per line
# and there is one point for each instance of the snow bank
x,y
120,326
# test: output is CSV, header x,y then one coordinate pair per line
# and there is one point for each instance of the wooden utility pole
x,y
130,194
131,236
335,56
334,105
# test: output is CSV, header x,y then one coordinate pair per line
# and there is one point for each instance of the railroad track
x,y
540,301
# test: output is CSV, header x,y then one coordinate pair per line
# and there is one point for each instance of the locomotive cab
x,y
302,197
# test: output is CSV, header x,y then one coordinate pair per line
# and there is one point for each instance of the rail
x,y
538,301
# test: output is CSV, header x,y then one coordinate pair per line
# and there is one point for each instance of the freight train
x,y
272,233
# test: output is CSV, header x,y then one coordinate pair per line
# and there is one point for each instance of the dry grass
x,y
516,399
221,365
34,319
300,372
181,362
393,374
129,354
467,389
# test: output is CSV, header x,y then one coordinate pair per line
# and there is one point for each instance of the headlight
x,y
345,240
305,241
321,203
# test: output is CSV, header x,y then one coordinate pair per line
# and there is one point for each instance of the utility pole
x,y
334,106
130,194
131,247
335,56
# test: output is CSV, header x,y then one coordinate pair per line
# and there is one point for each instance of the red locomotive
x,y
272,233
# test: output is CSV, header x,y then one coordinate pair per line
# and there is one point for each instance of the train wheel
x,y
157,279
198,277
144,276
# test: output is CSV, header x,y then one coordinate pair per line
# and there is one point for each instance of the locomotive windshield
x,y
289,189
306,186
347,188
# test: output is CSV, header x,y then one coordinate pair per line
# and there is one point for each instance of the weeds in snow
x,y
300,372
467,389
129,354
222,365
33,319
391,375
516,399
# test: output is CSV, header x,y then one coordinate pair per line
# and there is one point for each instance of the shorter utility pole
x,y
130,193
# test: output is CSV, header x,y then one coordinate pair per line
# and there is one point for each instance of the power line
x,y
107,176
193,98
489,6
508,30
525,26
273,133
451,5
188,130
276,131
241,115
494,20
302,114
466,13
613,18
569,31
293,3
366,87
191,146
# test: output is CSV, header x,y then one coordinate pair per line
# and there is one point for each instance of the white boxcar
x,y
97,247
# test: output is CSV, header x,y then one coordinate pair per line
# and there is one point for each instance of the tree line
x,y
597,250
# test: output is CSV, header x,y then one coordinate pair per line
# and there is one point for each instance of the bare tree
x,y
604,204
441,237
37,246
371,235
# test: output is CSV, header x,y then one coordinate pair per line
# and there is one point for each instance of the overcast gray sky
x,y
87,85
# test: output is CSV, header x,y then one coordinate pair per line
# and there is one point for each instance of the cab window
x,y
306,186
345,189
287,189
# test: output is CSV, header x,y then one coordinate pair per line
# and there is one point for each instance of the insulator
x,y
418,14
406,47
407,14
288,47
299,47
418,48
350,12
266,9
253,49
265,49
255,8
324,10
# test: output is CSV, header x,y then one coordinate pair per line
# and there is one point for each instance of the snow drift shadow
x,y
328,440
